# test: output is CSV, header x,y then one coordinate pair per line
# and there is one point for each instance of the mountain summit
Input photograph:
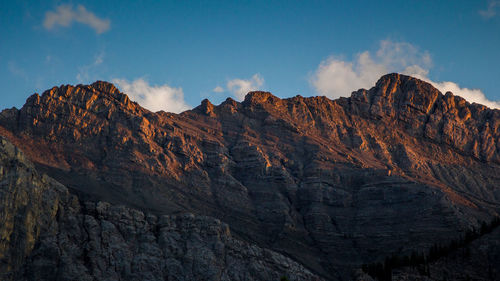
x,y
331,184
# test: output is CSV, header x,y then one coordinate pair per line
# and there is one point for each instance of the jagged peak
x,y
396,86
256,97
206,107
68,90
105,87
397,91
394,76
229,101
84,95
206,103
404,83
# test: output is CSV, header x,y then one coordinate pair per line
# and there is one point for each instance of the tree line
x,y
383,270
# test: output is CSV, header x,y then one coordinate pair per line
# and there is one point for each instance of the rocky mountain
x,y
330,184
48,234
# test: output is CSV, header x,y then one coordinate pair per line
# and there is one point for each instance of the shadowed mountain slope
x,y
46,233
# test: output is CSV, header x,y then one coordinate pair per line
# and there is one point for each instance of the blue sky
x,y
171,55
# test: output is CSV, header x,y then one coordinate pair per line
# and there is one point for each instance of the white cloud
x,y
83,75
471,95
240,87
491,11
336,77
153,97
218,89
64,16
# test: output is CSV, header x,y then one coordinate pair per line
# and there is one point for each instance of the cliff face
x,y
48,234
331,183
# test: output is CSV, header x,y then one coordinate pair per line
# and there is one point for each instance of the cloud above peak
x,y
218,89
65,15
88,72
154,97
471,95
240,87
336,77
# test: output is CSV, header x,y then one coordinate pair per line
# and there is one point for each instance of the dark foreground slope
x,y
48,234
332,184
479,260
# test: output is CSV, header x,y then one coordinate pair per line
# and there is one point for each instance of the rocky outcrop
x,y
47,234
471,129
331,183
29,203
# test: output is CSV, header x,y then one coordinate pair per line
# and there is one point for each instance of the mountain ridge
x,y
322,181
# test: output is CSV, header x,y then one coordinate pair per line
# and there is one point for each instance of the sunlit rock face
x,y
329,183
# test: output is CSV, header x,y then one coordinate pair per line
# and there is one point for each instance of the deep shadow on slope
x,y
46,233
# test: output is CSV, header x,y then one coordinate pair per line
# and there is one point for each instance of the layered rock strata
x,y
332,184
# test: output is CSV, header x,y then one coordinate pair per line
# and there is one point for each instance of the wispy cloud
x,y
83,75
65,15
154,97
17,70
218,89
33,79
491,10
336,77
